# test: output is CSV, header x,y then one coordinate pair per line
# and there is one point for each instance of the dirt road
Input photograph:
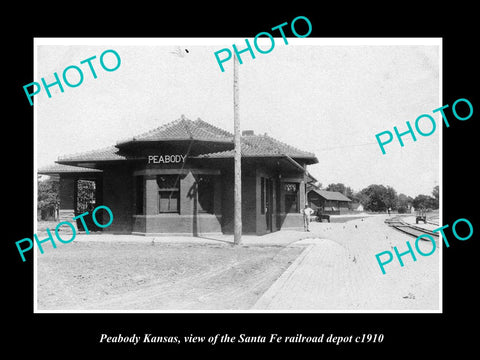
x,y
185,276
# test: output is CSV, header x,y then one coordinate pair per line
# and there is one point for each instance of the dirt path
x,y
102,276
232,286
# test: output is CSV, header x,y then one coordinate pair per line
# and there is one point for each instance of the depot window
x,y
168,194
291,197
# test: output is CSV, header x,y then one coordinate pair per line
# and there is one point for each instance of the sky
x,y
327,96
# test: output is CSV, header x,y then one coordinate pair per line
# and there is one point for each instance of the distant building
x,y
355,206
330,202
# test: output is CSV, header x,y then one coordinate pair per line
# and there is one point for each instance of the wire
x,y
345,146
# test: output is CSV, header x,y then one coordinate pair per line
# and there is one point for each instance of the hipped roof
x,y
184,129
262,146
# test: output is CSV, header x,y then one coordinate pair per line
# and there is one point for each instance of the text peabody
x,y
166,159
135,339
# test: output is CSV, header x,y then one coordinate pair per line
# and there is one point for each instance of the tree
x,y
436,193
359,197
404,200
404,203
391,198
85,194
378,197
47,197
425,202
373,197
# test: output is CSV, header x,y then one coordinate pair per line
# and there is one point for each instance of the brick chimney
x,y
248,133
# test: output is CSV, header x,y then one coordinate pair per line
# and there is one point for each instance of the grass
x,y
166,276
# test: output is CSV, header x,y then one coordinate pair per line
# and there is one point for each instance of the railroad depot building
x,y
179,177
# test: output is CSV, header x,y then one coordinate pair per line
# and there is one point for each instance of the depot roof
x,y
263,146
184,129
63,169
105,154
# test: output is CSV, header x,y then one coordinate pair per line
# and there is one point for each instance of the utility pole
x,y
237,190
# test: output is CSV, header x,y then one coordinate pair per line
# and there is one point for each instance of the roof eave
x,y
92,164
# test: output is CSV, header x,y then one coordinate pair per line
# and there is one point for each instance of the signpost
x,y
237,232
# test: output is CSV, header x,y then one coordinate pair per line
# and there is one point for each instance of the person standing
x,y
307,212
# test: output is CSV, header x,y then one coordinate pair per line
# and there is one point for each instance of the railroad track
x,y
410,229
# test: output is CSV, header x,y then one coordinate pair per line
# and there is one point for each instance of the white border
x,y
228,41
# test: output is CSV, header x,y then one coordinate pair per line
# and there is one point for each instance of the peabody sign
x,y
166,159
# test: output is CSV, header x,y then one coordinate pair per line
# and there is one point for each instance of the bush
x,y
402,209
47,199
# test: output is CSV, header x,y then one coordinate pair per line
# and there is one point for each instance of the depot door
x,y
269,204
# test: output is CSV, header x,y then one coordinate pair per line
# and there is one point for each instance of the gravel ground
x,y
136,275
338,271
